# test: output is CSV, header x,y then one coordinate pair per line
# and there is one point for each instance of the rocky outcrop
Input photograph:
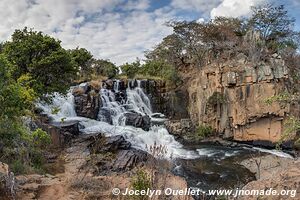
x,y
172,102
7,182
231,97
180,128
138,120
115,154
102,144
87,100
275,174
61,133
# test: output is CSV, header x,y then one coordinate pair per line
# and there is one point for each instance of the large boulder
x,y
128,159
62,132
87,101
114,154
102,144
138,120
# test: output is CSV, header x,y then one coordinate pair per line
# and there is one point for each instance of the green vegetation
x,y
292,123
32,66
154,69
216,98
203,131
141,181
42,59
267,31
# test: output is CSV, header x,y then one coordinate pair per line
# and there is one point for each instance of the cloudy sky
x,y
119,30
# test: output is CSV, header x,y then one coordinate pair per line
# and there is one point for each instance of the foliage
x,y
104,68
42,58
130,69
153,69
216,98
268,30
160,69
291,126
21,148
273,22
203,131
82,57
141,181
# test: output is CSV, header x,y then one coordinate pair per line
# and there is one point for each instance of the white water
x,y
137,101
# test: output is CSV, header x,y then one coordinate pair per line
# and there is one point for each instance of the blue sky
x,y
119,30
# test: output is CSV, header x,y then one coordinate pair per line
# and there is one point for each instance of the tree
x,y
43,59
273,22
104,68
170,50
82,58
130,69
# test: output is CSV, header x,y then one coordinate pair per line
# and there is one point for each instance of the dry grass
x,y
96,84
78,91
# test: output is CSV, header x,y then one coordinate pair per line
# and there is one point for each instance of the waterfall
x,y
135,101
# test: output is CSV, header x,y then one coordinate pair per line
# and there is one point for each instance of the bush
x,y
130,69
141,181
18,167
203,131
50,66
216,98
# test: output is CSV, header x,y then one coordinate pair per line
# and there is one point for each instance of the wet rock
x,y
138,120
7,182
105,115
102,144
108,84
87,101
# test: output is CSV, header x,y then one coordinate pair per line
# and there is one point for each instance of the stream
x,y
203,166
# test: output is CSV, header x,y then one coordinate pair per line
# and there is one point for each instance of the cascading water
x,y
203,166
136,101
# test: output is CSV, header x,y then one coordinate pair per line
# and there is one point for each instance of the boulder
x,y
180,128
115,154
138,120
102,144
128,159
62,132
87,101
7,182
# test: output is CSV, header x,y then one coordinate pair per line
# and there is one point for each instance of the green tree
x,y
105,68
41,57
82,57
131,69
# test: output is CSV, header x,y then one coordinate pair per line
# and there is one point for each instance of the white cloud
x,y
119,30
195,5
234,8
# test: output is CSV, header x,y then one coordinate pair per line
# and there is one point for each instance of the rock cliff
x,y
231,97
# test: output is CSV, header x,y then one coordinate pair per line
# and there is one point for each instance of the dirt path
x,y
57,187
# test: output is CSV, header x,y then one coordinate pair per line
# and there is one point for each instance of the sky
x,y
118,30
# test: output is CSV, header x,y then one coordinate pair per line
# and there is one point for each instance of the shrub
x,y
203,131
141,181
216,98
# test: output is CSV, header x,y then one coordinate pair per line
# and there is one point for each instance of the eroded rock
x,y
138,120
87,101
7,182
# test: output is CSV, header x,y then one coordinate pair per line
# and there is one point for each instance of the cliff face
x,y
231,98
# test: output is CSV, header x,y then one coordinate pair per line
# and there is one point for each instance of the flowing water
x,y
203,166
